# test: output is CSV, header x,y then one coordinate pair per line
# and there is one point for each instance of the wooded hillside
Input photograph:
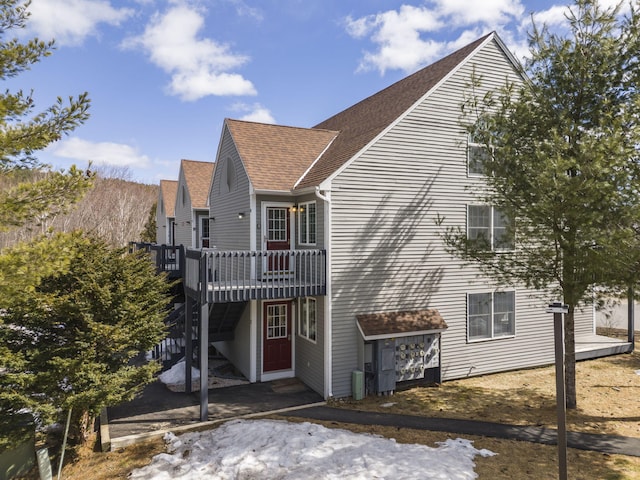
x,y
115,209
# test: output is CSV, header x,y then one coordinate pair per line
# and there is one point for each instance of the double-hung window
x,y
307,325
489,227
491,315
477,155
307,222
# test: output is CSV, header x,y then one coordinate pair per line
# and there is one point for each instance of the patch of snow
x,y
388,404
276,449
176,374
637,372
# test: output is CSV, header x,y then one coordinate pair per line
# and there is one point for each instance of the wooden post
x,y
204,340
631,336
558,309
188,338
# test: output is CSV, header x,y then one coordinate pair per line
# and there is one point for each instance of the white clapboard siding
x,y
387,253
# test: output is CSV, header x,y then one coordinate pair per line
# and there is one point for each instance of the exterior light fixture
x,y
240,215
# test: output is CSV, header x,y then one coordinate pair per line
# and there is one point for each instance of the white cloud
x,y
70,22
407,38
100,153
254,113
198,66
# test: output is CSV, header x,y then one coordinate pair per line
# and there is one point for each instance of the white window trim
x,y
303,216
492,211
470,144
493,338
301,318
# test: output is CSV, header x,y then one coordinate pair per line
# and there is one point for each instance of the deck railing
x,y
167,258
238,276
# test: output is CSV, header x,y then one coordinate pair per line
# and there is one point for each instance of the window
x,y
487,225
491,315
307,222
477,155
277,321
204,229
277,225
307,319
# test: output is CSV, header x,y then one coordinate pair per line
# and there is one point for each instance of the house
x,y
191,204
165,212
329,260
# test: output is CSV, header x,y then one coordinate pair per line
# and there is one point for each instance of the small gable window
x,y
230,175
477,156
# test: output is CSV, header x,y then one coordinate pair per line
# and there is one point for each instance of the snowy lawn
x,y
261,449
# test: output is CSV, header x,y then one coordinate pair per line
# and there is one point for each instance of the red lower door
x,y
277,336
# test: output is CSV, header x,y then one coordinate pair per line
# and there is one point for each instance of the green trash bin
x,y
357,384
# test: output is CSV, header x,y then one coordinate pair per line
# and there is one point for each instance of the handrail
x,y
238,276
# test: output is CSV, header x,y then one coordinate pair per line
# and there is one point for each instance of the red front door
x,y
276,336
278,238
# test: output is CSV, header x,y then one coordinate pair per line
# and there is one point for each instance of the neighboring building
x,y
165,212
329,257
192,206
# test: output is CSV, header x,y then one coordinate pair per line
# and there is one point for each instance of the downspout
x,y
253,304
328,332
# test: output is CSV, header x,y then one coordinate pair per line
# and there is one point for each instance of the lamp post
x,y
559,309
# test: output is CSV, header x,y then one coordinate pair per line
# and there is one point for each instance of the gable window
x,y
487,225
307,222
307,326
184,196
491,315
477,155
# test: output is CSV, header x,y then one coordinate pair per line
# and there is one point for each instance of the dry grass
x,y
608,401
608,398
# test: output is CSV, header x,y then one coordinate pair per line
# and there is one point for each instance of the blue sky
x,y
164,74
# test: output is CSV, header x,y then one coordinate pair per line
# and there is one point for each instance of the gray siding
x,y
229,195
161,220
387,254
184,220
309,356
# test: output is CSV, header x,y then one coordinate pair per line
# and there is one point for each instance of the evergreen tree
x,y
23,132
72,327
149,231
562,163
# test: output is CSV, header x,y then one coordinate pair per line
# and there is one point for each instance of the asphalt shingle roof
x,y
198,176
168,190
276,156
362,122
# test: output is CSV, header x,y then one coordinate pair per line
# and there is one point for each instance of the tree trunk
x,y
85,427
570,358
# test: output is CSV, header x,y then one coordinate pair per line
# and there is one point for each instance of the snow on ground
x,y
270,449
174,377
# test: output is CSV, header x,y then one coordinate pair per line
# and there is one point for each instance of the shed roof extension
x,y
168,191
374,326
197,176
276,156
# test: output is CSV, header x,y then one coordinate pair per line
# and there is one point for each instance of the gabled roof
x,y
168,191
360,124
276,156
197,176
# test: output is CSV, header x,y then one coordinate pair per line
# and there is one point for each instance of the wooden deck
x,y
238,276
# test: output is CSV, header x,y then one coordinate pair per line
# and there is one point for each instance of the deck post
x,y
204,339
188,338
